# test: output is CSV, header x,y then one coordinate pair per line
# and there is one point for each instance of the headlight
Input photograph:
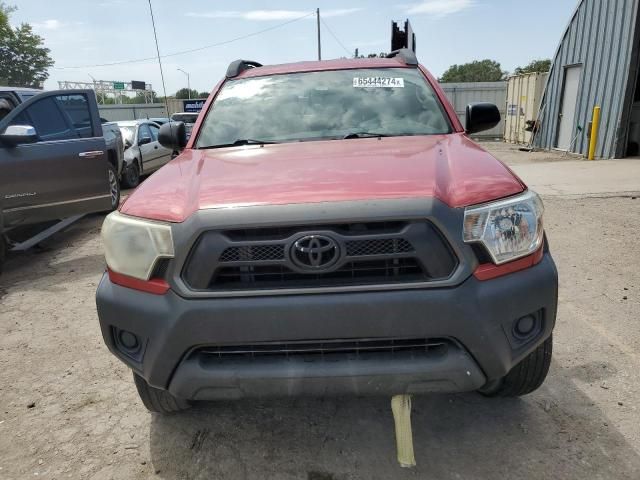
x,y
509,229
132,246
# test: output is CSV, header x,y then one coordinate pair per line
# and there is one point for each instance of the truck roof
x,y
20,89
323,65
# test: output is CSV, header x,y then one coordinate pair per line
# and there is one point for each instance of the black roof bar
x,y
238,66
407,56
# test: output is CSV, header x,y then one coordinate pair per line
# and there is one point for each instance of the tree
x,y
535,66
141,98
184,93
24,61
370,55
476,71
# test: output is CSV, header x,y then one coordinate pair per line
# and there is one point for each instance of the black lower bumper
x,y
445,368
476,318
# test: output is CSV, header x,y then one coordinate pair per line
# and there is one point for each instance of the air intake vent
x,y
323,349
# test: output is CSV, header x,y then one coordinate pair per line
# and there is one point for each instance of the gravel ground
x,y
68,408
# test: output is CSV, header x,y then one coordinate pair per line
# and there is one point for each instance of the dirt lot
x,y
68,409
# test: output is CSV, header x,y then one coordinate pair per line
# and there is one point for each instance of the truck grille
x,y
363,254
358,348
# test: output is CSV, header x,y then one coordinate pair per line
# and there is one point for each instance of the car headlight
x,y
509,228
133,246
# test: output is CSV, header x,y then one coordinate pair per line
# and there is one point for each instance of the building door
x,y
567,125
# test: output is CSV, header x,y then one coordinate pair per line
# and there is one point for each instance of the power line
x,y
155,36
335,38
183,52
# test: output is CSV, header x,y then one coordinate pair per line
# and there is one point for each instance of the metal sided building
x,y
596,64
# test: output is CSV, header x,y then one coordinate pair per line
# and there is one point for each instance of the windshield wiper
x,y
363,135
239,142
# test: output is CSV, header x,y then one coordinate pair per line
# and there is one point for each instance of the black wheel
x,y
156,400
526,376
114,187
131,176
3,250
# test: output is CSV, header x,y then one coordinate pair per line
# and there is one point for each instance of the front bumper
x,y
476,318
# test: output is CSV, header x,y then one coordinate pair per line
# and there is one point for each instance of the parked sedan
x,y
143,154
159,120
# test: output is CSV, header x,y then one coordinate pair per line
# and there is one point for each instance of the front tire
x,y
158,401
114,187
131,176
3,250
525,377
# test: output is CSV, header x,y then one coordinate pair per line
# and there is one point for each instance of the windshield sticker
x,y
378,82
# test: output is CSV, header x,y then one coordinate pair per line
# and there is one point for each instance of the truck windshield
x,y
324,105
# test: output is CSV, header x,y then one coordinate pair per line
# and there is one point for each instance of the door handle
x,y
91,154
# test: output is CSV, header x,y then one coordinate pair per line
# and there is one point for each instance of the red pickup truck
x,y
329,228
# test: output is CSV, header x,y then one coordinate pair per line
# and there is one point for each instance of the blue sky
x,y
85,33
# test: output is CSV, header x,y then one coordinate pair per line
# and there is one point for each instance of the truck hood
x,y
449,167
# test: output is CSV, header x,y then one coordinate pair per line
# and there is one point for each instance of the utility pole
x,y
188,82
318,19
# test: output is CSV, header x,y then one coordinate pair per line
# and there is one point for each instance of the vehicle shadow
x,y
59,263
556,432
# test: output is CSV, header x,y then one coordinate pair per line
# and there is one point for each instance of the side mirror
x,y
18,134
481,117
144,140
173,135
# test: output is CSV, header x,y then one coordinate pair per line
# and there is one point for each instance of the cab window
x,y
154,132
144,132
76,108
62,117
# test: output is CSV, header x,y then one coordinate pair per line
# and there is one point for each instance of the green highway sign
x,y
118,85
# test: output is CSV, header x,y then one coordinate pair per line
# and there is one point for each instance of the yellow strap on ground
x,y
401,408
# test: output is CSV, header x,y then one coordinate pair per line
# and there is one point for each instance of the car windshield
x,y
128,133
322,105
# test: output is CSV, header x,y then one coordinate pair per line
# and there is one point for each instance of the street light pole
x,y
188,83
318,20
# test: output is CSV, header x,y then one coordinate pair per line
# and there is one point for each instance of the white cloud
x,y
111,3
440,7
267,15
51,24
372,43
338,12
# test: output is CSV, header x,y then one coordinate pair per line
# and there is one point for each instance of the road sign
x,y
193,106
118,85
138,85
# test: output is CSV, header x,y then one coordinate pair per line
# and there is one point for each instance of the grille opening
x,y
279,233
278,276
247,253
388,246
359,348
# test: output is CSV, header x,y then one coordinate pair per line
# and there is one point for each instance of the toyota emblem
x,y
315,252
